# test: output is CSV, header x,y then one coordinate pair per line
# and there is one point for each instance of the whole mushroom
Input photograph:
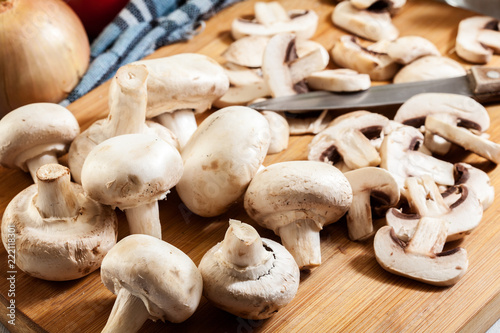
x,y
296,199
152,279
132,172
60,233
249,276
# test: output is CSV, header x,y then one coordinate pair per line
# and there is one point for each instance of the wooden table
x,y
349,292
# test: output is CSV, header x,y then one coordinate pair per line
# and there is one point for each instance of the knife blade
x,y
484,7
480,83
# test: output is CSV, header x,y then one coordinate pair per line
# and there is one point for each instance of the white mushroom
x,y
302,23
132,172
221,158
339,80
36,134
152,280
247,51
368,183
308,122
389,5
370,24
407,49
127,115
468,45
249,276
429,68
296,199
349,138
421,258
280,131
60,233
349,53
460,209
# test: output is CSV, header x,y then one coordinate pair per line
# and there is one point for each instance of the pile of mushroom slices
x,y
424,200
272,55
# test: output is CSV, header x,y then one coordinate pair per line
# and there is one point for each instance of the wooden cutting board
x,y
349,292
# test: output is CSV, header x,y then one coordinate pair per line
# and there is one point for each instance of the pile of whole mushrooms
x,y
362,167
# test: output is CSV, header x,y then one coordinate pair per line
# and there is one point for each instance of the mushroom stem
x,y
56,197
301,239
128,314
144,219
34,163
242,245
429,237
181,122
128,100
359,217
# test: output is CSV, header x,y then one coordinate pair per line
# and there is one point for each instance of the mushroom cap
x,y
429,68
442,269
221,158
56,248
130,170
161,275
288,191
183,81
33,129
234,291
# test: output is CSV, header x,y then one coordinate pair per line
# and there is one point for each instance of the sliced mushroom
x,y
367,183
421,258
60,233
387,5
280,131
269,13
247,51
457,110
407,49
127,114
221,159
296,199
132,172
490,38
461,210
249,276
152,280
339,80
308,123
468,45
429,68
349,53
464,138
370,24
400,155
305,46
476,180
302,23
36,134
348,138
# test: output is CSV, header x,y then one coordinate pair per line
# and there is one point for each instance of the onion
x,y
44,51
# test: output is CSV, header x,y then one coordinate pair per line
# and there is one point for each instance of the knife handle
x,y
485,83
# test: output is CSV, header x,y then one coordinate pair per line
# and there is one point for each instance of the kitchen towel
x,y
139,29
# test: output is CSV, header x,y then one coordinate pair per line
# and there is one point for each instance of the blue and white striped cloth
x,y
139,29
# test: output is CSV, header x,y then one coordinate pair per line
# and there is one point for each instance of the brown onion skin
x,y
44,51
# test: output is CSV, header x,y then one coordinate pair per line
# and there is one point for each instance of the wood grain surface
x,y
349,292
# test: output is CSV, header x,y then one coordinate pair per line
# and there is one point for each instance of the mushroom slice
x,y
296,199
407,49
421,258
247,51
388,5
280,131
151,279
348,138
457,110
461,209
400,155
221,159
36,134
339,80
308,123
132,172
304,47
429,68
269,13
302,23
370,24
348,53
280,57
249,276
490,38
60,233
367,183
464,138
468,45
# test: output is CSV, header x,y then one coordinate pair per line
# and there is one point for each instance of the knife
x,y
485,7
481,83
